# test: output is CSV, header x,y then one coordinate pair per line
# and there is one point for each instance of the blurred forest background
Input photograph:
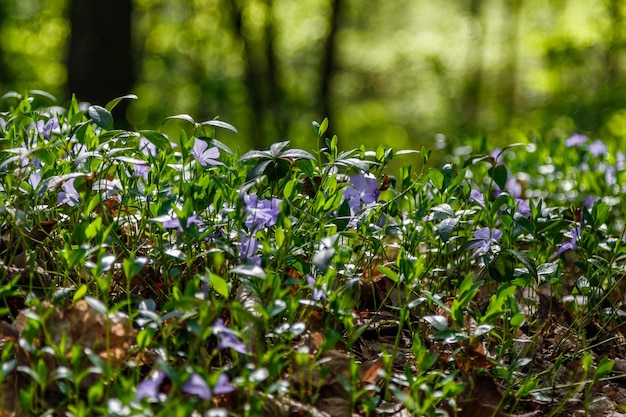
x,y
402,73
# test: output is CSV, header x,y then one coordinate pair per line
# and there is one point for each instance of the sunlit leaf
x,y
101,117
111,104
219,123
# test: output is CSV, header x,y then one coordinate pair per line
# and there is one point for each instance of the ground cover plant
x,y
147,275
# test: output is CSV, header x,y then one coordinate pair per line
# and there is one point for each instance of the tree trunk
x,y
469,113
329,64
100,65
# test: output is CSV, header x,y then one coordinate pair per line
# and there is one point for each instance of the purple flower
x,y
247,250
3,124
523,207
203,155
575,140
589,201
572,243
261,213
141,171
173,222
34,179
227,338
318,293
69,195
196,385
363,189
597,148
478,197
149,387
496,155
147,148
610,175
514,187
223,385
484,239
50,125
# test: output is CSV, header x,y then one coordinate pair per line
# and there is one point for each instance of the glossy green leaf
x,y
111,104
101,117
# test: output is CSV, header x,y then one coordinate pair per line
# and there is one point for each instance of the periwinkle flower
x,y
196,385
496,155
34,179
478,197
248,247
318,293
147,148
203,155
149,387
141,171
227,338
576,140
514,187
50,125
571,244
69,195
261,213
523,207
223,385
363,189
484,239
589,201
173,222
597,148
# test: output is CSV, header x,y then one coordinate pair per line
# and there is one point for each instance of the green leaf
x,y
129,160
184,117
323,258
439,322
219,284
277,148
389,273
436,176
80,293
249,271
41,93
603,368
482,329
526,388
101,117
133,265
447,171
524,223
158,139
253,155
323,127
297,154
526,261
111,104
502,267
446,227
499,174
219,123
443,211
96,305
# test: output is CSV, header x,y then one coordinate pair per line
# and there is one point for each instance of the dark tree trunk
x,y
508,81
260,79
5,78
470,102
100,65
329,63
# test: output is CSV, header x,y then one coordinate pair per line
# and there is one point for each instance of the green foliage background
x,y
403,71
